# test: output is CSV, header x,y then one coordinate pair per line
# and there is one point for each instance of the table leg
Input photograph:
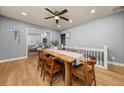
x,y
68,74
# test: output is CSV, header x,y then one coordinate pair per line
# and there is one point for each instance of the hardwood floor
x,y
24,73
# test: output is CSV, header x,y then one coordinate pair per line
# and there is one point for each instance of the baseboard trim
x,y
100,66
13,59
112,63
115,63
116,67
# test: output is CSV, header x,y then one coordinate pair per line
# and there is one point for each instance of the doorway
x,y
63,39
36,38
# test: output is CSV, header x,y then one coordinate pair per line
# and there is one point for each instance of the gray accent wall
x,y
105,31
9,47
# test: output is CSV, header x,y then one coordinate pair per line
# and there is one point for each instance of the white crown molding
x,y
12,59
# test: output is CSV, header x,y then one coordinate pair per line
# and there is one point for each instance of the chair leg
x,y
51,76
38,67
63,73
42,68
44,74
95,81
94,78
63,78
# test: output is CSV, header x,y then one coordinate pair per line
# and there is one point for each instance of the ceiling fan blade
x,y
57,21
62,12
64,18
49,17
49,11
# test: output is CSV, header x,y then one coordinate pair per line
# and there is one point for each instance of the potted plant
x,y
55,43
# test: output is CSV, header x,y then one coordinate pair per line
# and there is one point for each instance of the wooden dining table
x,y
68,64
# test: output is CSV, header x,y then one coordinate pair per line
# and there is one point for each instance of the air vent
x,y
120,8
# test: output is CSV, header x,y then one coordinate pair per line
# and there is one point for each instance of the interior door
x,y
63,39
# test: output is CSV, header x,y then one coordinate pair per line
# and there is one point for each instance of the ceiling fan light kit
x,y
58,15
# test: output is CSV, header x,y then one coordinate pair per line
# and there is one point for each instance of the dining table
x,y
68,58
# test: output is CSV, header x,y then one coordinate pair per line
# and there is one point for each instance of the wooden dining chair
x,y
40,57
51,67
61,48
40,61
85,71
72,50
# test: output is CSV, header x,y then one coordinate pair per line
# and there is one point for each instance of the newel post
x,y
106,56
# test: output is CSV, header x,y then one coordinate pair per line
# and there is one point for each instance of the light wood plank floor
x,y
24,73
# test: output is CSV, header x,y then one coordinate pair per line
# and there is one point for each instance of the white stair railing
x,y
100,53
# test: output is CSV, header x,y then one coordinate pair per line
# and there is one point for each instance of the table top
x,y
63,56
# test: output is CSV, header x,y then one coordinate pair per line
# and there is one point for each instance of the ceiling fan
x,y
57,15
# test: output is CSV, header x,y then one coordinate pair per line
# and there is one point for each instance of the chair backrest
x,y
90,63
89,69
49,61
72,50
62,48
92,58
45,56
40,54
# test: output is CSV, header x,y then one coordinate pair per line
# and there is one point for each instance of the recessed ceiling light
x,y
58,26
24,14
56,17
70,21
92,11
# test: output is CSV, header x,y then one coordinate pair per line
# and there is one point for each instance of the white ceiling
x,y
36,14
